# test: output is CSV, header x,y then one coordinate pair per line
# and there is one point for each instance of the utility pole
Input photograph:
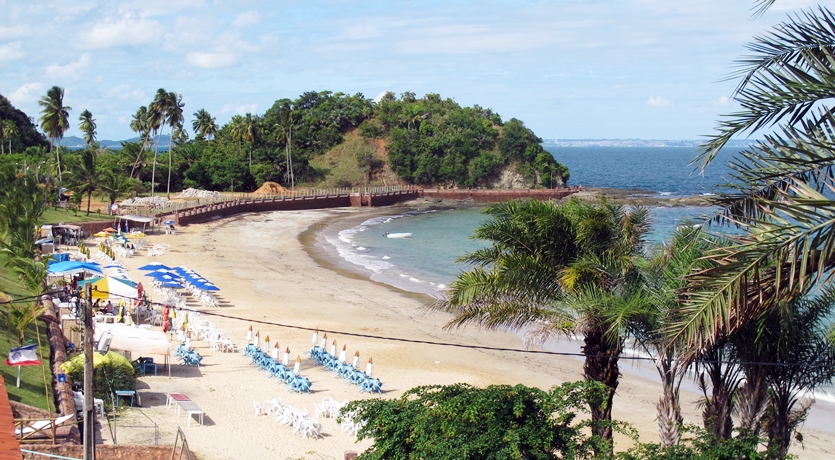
x,y
89,440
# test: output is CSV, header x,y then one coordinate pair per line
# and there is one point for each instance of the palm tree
x,y
139,124
662,278
249,132
555,268
87,126
204,125
793,340
779,194
10,131
236,130
114,184
175,117
157,113
55,119
85,177
284,133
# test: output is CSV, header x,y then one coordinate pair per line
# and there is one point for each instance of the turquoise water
x,y
425,262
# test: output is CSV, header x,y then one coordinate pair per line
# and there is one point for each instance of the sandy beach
x,y
266,274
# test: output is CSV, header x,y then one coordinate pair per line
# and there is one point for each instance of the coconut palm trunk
x,y
601,365
668,407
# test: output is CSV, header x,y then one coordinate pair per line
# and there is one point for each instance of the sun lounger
x,y
28,429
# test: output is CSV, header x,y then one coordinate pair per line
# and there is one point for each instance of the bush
x,y
111,372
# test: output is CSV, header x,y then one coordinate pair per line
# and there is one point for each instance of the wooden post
x,y
89,440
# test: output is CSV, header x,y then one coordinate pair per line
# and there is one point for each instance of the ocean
x,y
425,262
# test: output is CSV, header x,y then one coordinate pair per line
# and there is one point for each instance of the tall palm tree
x,y
55,119
175,120
85,177
87,126
249,132
555,268
662,278
284,133
10,131
157,114
114,184
139,124
793,340
204,125
780,191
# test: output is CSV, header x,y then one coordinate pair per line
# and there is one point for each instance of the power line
x,y
451,344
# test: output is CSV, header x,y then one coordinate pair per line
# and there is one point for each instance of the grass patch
x,y
53,215
31,389
339,165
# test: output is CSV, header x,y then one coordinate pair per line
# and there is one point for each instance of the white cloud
x,y
125,92
723,100
127,31
211,60
657,101
10,52
246,19
73,70
15,31
25,93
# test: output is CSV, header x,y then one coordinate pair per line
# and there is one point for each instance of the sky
x,y
570,69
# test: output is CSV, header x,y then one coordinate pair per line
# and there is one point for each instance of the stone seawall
x,y
496,196
230,208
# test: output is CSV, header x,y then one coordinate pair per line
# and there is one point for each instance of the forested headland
x,y
320,139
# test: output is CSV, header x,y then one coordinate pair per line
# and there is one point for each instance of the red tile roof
x,y
9,446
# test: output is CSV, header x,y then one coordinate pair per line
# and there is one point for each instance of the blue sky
x,y
649,69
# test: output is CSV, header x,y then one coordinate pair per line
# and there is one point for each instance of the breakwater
x,y
210,212
205,213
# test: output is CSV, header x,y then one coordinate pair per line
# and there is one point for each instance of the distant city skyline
x,y
622,69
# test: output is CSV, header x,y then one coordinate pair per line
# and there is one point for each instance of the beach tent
x,y
133,218
105,287
136,340
72,268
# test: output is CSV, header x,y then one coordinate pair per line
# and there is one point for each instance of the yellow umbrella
x,y
135,235
100,234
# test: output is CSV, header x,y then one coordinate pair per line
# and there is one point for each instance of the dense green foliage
x,y
111,372
436,141
25,133
462,422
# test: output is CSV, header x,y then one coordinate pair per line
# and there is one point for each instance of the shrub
x,y
111,372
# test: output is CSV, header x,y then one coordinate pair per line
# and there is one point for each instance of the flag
x,y
23,356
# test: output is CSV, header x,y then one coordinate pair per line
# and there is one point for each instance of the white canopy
x,y
134,339
135,218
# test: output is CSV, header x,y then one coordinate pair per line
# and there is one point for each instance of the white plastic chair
x,y
258,407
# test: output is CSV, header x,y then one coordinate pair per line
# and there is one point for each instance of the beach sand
x,y
266,274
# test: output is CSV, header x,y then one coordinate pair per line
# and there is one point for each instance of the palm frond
x,y
790,73
791,248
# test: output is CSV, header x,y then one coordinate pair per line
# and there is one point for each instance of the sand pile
x,y
271,188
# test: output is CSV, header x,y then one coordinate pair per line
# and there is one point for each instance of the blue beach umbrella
x,y
206,287
71,268
155,266
172,284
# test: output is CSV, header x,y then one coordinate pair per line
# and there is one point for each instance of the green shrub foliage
x,y
111,372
